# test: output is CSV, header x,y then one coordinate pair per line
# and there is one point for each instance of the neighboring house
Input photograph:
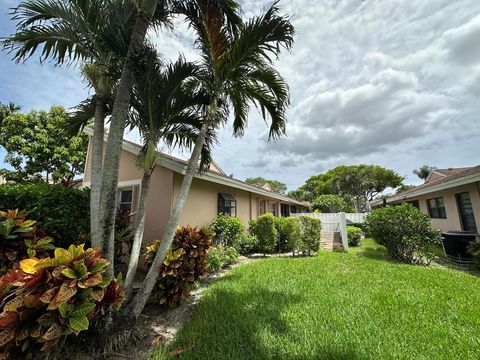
x,y
211,193
451,197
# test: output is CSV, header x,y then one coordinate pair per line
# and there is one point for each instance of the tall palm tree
x,y
7,110
235,70
98,31
164,110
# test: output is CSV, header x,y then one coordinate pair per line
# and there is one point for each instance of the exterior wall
x,y
453,221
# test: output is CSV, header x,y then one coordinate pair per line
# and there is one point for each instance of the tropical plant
x,y
235,69
354,235
123,237
20,238
405,231
220,257
311,235
423,171
227,229
185,262
62,212
47,299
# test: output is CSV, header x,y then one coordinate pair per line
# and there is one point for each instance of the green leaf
x,y
78,323
99,265
81,269
105,282
63,310
82,310
69,273
31,252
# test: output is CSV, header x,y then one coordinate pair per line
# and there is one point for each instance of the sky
x,y
394,83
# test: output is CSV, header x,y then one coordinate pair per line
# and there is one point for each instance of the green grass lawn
x,y
335,306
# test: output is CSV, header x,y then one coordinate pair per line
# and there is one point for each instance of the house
x,y
211,193
451,197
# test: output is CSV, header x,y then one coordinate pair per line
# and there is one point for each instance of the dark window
x,y
436,208
273,209
293,209
227,205
125,199
467,215
261,207
285,210
414,203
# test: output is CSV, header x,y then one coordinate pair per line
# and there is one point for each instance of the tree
x,y
330,203
361,182
298,195
163,110
38,144
404,187
235,69
423,171
275,185
7,110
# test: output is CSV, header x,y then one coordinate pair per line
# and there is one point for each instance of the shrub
x,y
282,245
252,225
123,236
266,233
311,234
329,203
474,250
354,235
292,228
47,299
63,212
21,238
405,231
246,244
220,257
185,262
227,229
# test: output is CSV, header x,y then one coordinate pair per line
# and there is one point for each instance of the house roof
x,y
212,175
448,178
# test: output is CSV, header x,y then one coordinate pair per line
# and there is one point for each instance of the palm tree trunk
x,y
138,236
114,143
96,172
138,302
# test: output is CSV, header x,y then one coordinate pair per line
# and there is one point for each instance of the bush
x,y
354,235
282,245
63,212
220,257
405,231
227,229
246,244
21,238
266,233
311,235
292,229
474,250
123,237
185,262
252,226
47,299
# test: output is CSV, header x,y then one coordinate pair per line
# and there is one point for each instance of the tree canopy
x,y
423,171
275,185
361,182
330,203
39,146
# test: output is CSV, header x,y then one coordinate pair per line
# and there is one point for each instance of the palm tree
x,y
163,111
98,31
423,171
7,110
235,70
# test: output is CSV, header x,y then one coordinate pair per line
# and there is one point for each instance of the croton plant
x,y
46,299
184,263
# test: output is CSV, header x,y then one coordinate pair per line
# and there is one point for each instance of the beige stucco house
x,y
211,193
451,197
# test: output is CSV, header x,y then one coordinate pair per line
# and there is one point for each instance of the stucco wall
x,y
453,221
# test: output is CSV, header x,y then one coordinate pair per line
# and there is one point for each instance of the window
x,y
293,209
125,199
261,207
273,208
227,205
414,203
285,210
436,208
466,212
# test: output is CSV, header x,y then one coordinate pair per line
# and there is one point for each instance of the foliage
x,y
47,299
354,235
227,229
123,235
297,194
39,143
63,212
474,249
292,228
311,235
21,238
423,171
185,262
219,257
330,203
401,188
275,185
7,110
266,233
281,245
246,244
405,231
361,182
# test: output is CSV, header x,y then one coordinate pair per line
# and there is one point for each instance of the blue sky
x,y
395,83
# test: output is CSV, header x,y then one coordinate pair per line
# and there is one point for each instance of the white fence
x,y
337,222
